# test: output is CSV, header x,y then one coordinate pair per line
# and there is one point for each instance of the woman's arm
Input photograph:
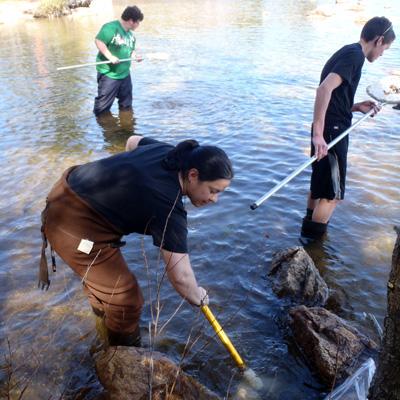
x,y
182,278
133,142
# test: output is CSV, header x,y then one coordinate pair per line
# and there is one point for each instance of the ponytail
x,y
176,158
211,162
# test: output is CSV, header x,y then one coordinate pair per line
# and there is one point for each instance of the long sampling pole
x,y
302,167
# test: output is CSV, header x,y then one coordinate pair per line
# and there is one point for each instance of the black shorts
x,y
328,178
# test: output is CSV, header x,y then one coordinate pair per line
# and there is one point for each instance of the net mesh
x,y
386,90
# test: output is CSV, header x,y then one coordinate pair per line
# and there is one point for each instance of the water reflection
x,y
116,128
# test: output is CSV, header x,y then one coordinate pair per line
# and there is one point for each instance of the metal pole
x,y
94,63
308,162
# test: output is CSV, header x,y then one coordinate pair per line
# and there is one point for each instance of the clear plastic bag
x,y
356,386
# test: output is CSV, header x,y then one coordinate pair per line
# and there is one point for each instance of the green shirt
x,y
121,44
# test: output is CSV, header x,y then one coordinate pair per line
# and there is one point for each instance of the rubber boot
x,y
111,338
101,329
313,230
101,341
124,339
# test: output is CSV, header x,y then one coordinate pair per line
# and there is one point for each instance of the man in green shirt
x,y
116,41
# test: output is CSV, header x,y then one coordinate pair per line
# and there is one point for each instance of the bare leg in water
x,y
322,209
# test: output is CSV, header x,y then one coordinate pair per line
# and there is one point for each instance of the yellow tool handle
x,y
224,338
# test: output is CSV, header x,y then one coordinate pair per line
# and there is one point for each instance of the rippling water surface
x,y
241,75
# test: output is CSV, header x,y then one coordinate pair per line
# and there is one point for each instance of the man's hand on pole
x,y
114,60
320,146
366,106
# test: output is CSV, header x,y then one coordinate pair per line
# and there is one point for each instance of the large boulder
x,y
137,374
330,344
294,275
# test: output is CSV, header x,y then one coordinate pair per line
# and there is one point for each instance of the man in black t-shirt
x,y
333,108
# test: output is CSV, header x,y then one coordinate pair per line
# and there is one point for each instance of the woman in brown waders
x,y
93,205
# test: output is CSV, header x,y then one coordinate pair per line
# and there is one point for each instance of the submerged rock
x,y
136,373
329,343
295,275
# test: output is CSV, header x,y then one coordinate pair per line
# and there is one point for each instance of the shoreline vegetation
x,y
15,11
58,8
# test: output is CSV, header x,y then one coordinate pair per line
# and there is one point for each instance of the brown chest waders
x,y
113,291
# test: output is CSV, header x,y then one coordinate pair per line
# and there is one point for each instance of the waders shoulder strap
x,y
44,281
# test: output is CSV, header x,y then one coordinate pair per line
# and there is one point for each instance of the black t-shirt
x,y
135,193
347,63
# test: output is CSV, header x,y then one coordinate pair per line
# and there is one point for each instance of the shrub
x,y
52,8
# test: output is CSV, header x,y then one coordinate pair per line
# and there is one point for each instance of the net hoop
x,y
387,90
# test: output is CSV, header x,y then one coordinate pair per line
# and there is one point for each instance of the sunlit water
x,y
241,75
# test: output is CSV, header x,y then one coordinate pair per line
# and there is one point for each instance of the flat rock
x,y
138,374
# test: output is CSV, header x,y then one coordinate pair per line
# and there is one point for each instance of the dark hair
x,y
133,13
378,26
211,161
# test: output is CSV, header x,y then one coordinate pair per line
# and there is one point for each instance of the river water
x,y
238,74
